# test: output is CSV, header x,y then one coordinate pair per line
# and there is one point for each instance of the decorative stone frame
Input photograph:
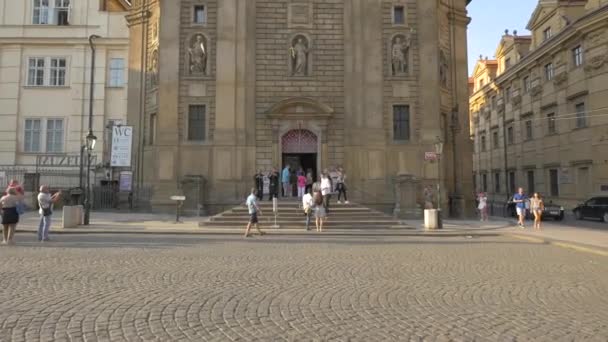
x,y
187,45
389,54
191,13
309,60
290,15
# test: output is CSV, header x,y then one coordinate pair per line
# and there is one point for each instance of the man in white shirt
x,y
254,209
307,204
326,191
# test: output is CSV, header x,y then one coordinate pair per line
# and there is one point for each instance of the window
x,y
527,84
581,115
31,140
200,15
554,182
547,33
51,12
401,123
494,101
530,176
35,74
54,135
196,123
58,67
46,71
507,94
529,132
551,128
507,63
483,143
510,136
398,15
117,66
497,182
549,72
577,56
152,129
484,182
495,141
511,181
481,83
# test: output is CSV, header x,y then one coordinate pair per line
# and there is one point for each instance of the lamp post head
x,y
91,140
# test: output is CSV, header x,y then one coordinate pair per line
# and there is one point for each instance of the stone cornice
x,y
594,19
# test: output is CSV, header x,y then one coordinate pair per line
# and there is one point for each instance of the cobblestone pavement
x,y
160,288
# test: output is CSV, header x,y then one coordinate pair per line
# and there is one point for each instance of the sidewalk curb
x,y
279,232
560,243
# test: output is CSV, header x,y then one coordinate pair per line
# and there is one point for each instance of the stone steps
x,y
290,216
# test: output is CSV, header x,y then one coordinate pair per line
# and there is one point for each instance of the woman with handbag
x,y
45,202
10,215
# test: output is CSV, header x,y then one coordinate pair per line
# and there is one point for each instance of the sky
x,y
489,19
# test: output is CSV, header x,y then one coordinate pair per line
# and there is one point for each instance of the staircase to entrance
x,y
346,217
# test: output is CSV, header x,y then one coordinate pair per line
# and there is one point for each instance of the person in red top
x,y
15,184
301,185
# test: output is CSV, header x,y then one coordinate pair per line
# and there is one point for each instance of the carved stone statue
x,y
198,56
154,69
299,57
443,69
399,55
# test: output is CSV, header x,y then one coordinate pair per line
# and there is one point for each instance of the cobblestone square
x,y
318,288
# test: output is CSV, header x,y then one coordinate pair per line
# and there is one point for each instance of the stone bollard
x,y
72,216
431,219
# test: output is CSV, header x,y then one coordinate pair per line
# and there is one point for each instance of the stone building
x,y
219,89
45,62
539,111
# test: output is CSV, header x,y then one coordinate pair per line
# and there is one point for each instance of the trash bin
x,y
432,219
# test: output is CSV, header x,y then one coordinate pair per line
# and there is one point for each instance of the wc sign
x,y
122,141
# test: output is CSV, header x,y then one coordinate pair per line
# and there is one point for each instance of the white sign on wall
x,y
122,141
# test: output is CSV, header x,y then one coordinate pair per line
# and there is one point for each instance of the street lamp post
x,y
90,138
439,151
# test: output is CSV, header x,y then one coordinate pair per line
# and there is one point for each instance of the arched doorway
x,y
299,148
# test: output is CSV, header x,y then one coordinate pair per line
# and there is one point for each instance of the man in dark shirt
x,y
520,206
259,184
274,184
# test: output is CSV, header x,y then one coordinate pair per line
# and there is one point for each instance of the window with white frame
x,y
399,15
32,135
577,56
47,71
547,33
200,14
51,12
50,131
54,135
527,84
549,71
116,77
35,73
581,115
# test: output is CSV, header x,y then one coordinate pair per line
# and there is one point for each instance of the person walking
x,y
520,200
254,210
307,206
320,213
482,206
259,184
273,184
14,184
301,185
326,191
10,215
285,177
341,185
45,202
537,206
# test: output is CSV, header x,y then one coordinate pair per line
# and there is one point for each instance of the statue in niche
x,y
198,55
443,69
399,55
154,69
298,53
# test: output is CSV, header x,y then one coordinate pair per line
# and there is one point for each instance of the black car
x,y
554,211
596,208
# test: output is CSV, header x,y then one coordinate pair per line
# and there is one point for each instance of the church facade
x,y
222,88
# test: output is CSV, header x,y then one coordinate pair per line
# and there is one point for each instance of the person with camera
x,y
45,202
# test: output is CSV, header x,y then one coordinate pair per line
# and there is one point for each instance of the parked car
x,y
552,210
595,208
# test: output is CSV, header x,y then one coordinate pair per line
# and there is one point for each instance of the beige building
x,y
539,110
45,62
227,87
